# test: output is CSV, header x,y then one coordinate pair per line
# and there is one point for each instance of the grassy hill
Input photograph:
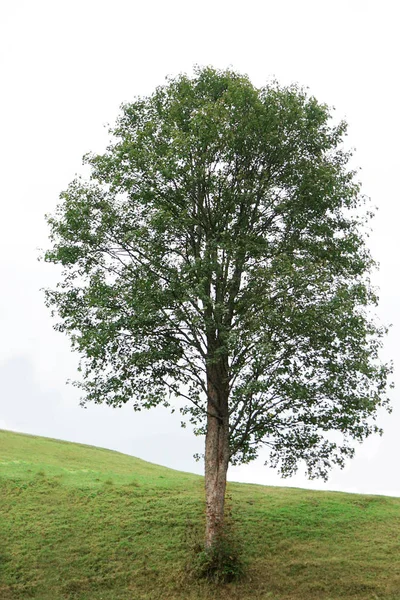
x,y
84,523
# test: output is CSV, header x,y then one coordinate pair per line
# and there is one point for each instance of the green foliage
x,y
67,535
223,225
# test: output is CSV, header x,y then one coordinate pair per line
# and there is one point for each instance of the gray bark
x,y
216,455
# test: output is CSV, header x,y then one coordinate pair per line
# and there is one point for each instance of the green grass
x,y
84,523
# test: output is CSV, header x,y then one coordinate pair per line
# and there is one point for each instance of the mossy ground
x,y
84,523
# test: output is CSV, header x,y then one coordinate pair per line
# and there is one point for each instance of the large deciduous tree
x,y
217,254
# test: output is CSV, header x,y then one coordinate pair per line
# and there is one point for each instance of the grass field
x,y
84,523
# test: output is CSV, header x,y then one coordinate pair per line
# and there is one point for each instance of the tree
x,y
217,254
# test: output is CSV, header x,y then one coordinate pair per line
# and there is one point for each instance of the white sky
x,y
65,67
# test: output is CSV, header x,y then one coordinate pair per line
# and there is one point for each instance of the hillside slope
x,y
84,523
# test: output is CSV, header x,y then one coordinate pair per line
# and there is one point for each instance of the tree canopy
x,y
221,238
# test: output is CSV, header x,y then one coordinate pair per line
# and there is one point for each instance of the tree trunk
x,y
216,455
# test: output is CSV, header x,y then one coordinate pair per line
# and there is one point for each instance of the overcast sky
x,y
65,67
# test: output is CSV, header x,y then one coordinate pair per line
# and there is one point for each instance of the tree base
x,y
222,563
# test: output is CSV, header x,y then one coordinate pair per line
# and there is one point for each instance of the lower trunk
x,y
216,462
